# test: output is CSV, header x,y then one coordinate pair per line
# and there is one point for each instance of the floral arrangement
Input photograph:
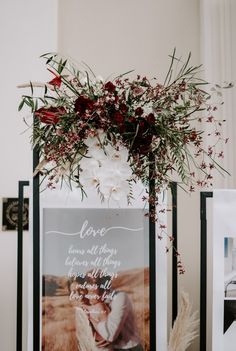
x,y
110,134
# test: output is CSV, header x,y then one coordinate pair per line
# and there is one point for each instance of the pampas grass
x,y
185,327
84,333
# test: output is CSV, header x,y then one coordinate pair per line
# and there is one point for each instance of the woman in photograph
x,y
119,326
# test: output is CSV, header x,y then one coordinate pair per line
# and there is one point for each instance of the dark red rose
x,y
132,119
50,115
109,86
151,118
122,128
141,125
139,111
116,100
119,118
123,108
142,144
83,103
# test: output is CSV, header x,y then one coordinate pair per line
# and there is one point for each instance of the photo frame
x,y
204,267
158,277
158,337
218,271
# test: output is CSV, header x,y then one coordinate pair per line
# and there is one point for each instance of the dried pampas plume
x,y
185,326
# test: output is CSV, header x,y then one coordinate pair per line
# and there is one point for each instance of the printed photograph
x,y
95,280
230,286
230,316
230,267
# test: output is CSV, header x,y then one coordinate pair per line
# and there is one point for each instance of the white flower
x,y
106,167
116,168
88,178
88,163
97,153
95,146
118,153
114,188
95,141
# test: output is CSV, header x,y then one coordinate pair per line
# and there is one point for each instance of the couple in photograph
x,y
103,324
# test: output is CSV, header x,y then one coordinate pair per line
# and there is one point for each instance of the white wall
x,y
28,28
115,36
218,53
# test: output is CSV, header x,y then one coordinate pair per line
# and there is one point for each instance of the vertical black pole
x,y
174,256
19,312
152,253
36,256
203,270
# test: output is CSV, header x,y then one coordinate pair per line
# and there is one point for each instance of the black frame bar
x,y
203,269
152,256
19,311
36,254
174,256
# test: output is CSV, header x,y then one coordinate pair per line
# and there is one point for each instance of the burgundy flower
x,y
119,118
110,87
83,103
50,115
151,118
141,126
55,81
132,119
123,108
139,111
193,136
142,144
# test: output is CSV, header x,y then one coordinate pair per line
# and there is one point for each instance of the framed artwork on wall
x,y
218,270
10,214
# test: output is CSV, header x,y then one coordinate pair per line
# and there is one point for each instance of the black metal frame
x,y
19,312
203,269
152,262
174,256
36,255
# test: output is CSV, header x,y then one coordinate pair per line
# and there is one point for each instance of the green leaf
x,y
31,88
21,105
